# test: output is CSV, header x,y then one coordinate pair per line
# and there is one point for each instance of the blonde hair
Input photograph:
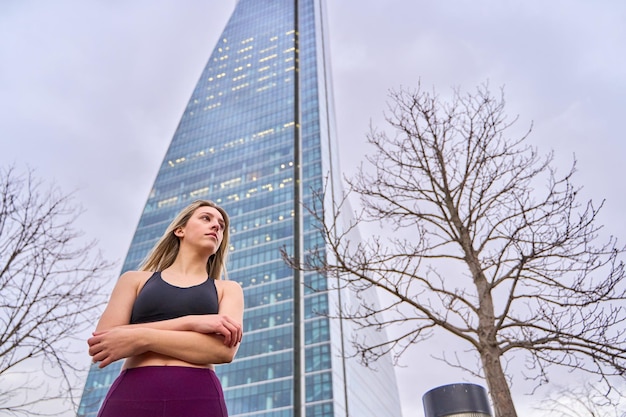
x,y
165,251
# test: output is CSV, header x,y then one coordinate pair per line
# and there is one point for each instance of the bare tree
x,y
585,400
483,240
50,284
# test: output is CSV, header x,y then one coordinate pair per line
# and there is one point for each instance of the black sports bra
x,y
159,300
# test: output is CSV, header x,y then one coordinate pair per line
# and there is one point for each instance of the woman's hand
x,y
117,343
221,324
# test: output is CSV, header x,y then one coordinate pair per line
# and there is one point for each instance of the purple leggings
x,y
165,391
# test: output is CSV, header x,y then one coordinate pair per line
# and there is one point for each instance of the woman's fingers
x,y
233,333
223,325
227,332
108,346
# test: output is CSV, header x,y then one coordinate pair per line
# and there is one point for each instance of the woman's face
x,y
205,229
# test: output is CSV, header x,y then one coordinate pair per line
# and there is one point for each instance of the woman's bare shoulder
x,y
132,275
223,283
135,278
230,298
228,287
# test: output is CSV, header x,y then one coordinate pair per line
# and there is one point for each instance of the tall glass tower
x,y
257,137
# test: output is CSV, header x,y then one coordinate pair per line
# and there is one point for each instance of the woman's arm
x,y
231,304
120,305
216,336
200,339
124,342
200,323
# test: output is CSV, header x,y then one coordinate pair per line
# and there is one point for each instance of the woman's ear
x,y
179,232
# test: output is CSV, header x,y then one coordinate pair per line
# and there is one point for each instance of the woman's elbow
x,y
226,356
222,353
224,360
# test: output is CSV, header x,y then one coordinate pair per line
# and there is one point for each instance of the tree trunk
x,y
488,350
498,386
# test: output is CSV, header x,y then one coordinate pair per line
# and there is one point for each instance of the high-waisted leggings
x,y
165,391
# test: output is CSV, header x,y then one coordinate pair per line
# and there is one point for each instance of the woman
x,y
172,321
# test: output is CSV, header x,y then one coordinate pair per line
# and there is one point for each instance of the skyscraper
x,y
257,137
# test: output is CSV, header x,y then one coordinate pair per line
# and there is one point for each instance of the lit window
x,y
239,87
212,106
268,57
263,133
167,201
230,183
199,192
262,51
176,161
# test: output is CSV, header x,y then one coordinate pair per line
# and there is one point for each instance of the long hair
x,y
165,251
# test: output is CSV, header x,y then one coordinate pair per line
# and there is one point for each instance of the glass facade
x,y
257,138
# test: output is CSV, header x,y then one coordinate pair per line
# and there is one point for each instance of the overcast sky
x,y
91,93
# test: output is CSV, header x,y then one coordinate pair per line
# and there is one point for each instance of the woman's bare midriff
x,y
156,359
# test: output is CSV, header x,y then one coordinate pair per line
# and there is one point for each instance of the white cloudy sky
x,y
91,93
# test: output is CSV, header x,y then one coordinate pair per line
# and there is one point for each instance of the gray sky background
x,y
91,93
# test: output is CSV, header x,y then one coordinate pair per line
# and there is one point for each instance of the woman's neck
x,y
192,266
